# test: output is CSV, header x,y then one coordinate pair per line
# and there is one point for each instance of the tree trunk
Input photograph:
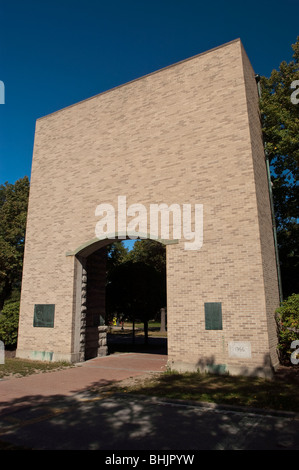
x,y
133,338
145,331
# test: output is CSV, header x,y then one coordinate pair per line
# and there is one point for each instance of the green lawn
x,y
223,389
21,367
153,329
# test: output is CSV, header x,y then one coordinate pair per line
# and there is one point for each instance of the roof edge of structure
x,y
238,40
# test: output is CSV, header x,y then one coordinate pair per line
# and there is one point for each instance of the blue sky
x,y
55,53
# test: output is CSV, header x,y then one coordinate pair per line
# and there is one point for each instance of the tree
x,y
149,252
13,215
136,281
280,125
153,254
287,316
117,253
132,292
9,323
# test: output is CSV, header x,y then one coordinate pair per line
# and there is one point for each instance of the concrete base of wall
x,y
48,356
253,370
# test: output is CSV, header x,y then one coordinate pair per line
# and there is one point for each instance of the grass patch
x,y
22,367
153,329
222,389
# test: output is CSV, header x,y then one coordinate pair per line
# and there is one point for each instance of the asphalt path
x,y
77,409
123,422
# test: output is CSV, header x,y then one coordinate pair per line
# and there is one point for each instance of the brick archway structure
x,y
90,331
187,134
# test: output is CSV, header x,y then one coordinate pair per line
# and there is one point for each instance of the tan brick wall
x,y
264,210
189,133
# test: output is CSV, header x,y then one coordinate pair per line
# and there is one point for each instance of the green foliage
x,y
9,322
149,252
280,124
13,215
153,254
117,254
133,291
288,325
131,274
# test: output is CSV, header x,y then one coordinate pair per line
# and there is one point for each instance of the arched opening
x,y
136,301
121,298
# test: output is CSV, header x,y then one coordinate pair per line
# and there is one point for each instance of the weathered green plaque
x,y
213,316
44,315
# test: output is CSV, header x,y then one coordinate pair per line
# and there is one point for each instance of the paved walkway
x,y
55,411
82,377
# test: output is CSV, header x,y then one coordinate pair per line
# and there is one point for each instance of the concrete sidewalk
x,y
82,377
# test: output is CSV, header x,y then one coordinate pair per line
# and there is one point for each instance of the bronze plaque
x,y
44,315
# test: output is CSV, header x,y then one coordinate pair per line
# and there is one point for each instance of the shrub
x,y
287,317
9,322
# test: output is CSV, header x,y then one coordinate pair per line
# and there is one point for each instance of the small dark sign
x,y
213,316
44,315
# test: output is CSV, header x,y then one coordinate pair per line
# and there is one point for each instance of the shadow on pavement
x,y
107,420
